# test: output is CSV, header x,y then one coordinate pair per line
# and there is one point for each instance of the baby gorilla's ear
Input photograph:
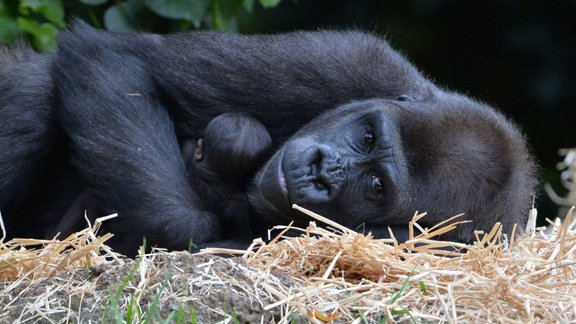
x,y
191,150
198,152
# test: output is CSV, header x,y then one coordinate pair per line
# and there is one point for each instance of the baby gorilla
x,y
220,166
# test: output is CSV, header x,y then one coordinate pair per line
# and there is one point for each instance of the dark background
x,y
518,56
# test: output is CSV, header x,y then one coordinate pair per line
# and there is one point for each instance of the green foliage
x,y
132,313
423,289
114,310
189,10
9,30
269,3
40,20
93,2
127,16
233,316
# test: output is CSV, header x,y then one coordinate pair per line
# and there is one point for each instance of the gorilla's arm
x,y
29,138
27,134
284,81
125,146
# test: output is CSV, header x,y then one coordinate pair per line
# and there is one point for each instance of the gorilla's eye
x,y
377,184
368,137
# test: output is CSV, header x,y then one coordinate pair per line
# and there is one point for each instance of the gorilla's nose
x,y
318,175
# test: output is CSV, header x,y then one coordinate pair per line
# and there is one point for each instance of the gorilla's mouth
x,y
273,187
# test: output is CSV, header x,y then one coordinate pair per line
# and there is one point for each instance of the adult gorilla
x,y
362,137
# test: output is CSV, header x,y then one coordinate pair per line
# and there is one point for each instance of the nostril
x,y
321,185
316,164
317,177
323,182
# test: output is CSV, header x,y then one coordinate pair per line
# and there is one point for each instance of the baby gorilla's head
x,y
234,145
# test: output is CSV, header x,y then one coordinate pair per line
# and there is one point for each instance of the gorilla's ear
x,y
191,150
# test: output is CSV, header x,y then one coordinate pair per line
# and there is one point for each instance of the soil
x,y
205,287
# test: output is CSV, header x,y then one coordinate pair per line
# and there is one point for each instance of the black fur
x,y
220,166
126,101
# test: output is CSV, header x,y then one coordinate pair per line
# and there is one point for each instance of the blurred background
x,y
518,56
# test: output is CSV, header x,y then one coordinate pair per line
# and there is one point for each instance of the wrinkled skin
x,y
386,159
360,135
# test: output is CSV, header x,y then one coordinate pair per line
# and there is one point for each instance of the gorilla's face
x,y
347,165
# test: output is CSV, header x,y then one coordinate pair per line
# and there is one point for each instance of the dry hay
x,y
77,279
30,259
330,274
354,278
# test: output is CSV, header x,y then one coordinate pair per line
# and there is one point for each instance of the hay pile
x,y
353,277
30,259
335,275
329,274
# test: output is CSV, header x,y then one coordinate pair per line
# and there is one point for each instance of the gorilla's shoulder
x,y
20,51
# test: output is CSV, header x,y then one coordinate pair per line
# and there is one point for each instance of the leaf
x,y
27,5
52,10
400,311
117,18
93,2
9,30
128,16
43,35
269,3
222,21
190,10
423,288
230,8
248,5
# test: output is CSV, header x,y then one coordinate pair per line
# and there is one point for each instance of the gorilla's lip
x,y
275,189
282,179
